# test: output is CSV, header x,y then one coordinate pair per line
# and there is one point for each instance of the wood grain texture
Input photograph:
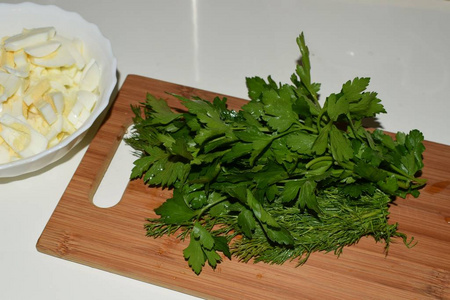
x,y
113,239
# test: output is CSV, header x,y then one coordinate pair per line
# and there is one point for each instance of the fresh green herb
x,y
278,180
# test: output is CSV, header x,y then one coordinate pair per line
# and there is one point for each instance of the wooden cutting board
x,y
113,239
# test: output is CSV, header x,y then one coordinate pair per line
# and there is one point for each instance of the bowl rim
x,y
107,92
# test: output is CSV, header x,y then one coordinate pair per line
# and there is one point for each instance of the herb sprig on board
x,y
279,179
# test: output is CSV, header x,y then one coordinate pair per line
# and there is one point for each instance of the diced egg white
x,y
21,137
86,98
10,84
29,38
21,67
84,115
75,113
42,49
90,76
68,128
60,58
47,112
58,101
55,129
48,89
76,54
36,92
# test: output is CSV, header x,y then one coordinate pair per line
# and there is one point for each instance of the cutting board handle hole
x,y
116,178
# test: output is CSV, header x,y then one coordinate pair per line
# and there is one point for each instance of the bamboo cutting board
x,y
113,239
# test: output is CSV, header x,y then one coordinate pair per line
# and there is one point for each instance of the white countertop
x,y
402,45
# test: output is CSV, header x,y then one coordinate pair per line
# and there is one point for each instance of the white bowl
x,y
15,17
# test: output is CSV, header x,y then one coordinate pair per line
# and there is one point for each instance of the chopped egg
x,y
29,38
9,84
47,111
48,88
21,137
90,76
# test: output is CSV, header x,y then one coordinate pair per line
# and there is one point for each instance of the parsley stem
x,y
398,176
407,176
307,128
274,137
318,159
405,181
239,128
355,132
319,120
205,208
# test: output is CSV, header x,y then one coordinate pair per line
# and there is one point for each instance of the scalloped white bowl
x,y
15,17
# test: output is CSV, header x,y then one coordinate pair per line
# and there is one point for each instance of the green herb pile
x,y
279,179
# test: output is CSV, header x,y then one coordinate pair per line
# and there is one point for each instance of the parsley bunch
x,y
283,177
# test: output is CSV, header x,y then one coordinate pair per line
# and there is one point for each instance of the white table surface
x,y
404,46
